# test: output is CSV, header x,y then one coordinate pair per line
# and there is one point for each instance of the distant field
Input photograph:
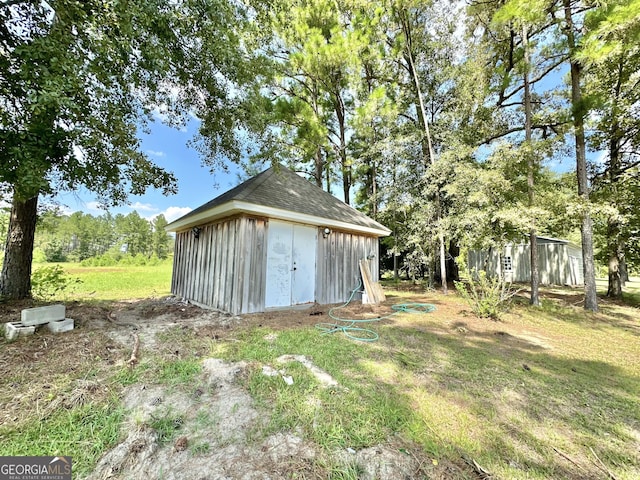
x,y
118,282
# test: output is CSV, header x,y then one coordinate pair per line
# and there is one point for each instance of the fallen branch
x,y
602,466
133,361
567,457
478,470
115,322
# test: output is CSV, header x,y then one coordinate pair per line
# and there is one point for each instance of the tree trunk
x,y
531,167
396,276
15,280
425,123
588,263
615,243
318,166
624,271
615,280
339,108
452,267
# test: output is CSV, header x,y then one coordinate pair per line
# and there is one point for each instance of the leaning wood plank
x,y
365,280
368,283
381,296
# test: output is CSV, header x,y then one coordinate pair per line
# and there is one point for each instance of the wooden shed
x,y
274,241
559,262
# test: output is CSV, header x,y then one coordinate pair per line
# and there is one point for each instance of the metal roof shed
x,y
274,241
559,262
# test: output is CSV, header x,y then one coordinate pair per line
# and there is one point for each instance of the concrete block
x,y
42,315
60,326
13,330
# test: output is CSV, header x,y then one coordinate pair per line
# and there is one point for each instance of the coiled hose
x,y
349,326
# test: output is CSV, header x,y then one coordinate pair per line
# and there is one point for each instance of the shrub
x,y
489,297
39,256
54,252
47,282
99,261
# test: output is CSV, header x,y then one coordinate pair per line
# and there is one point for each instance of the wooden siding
x,y
558,263
337,269
224,267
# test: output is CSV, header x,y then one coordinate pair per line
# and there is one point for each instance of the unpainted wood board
x,y
369,287
255,270
320,266
366,280
188,273
247,238
222,281
261,254
215,298
200,244
235,277
206,291
176,264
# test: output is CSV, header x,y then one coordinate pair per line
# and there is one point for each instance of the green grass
x,y
467,393
117,283
84,433
166,426
444,385
178,371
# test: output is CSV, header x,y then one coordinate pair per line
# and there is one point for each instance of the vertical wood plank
x,y
215,297
223,265
236,249
261,273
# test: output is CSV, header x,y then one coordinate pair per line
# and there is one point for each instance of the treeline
x,y
101,240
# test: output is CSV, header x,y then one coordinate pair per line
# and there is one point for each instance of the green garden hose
x,y
349,327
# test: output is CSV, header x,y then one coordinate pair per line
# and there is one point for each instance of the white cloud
x,y
601,157
173,213
94,206
145,207
161,115
156,153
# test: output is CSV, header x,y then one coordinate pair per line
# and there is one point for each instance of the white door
x,y
303,288
291,264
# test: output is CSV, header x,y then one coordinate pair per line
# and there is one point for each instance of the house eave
x,y
234,207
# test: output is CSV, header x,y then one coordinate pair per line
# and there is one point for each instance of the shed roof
x,y
280,193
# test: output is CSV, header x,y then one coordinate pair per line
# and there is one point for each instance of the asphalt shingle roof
x,y
278,187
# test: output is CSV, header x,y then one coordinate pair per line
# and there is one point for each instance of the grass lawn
x,y
544,393
118,282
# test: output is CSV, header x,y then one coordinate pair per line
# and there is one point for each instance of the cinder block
x,y
42,315
60,326
13,330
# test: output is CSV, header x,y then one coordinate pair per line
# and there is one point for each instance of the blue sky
x,y
167,147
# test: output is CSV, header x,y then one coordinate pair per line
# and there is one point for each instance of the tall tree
x,y
80,77
611,50
406,23
161,239
579,112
